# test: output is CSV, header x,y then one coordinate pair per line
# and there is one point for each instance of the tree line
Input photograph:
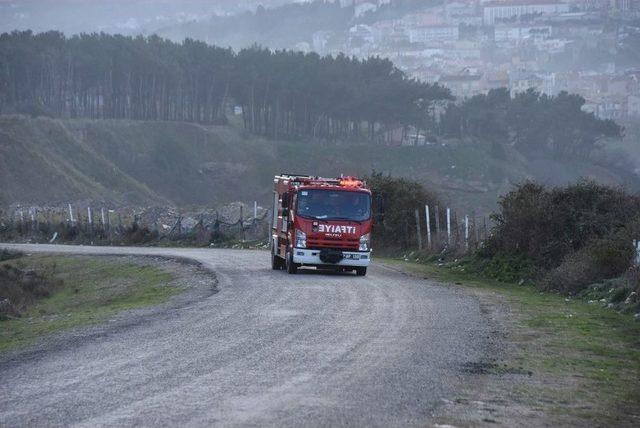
x,y
283,94
532,122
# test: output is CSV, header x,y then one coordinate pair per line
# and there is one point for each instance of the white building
x,y
364,32
541,82
362,8
516,33
633,105
496,11
439,33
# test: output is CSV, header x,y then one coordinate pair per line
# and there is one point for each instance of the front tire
x,y
292,268
361,271
276,262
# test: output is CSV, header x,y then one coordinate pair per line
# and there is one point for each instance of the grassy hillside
x,y
142,163
42,161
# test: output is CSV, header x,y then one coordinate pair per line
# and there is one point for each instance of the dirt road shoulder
x,y
563,362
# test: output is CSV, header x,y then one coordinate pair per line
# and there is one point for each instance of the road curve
x,y
268,349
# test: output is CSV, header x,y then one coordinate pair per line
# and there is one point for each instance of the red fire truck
x,y
321,222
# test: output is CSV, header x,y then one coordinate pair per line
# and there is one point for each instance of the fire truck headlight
x,y
365,241
301,239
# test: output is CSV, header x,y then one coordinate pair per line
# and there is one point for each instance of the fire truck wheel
x,y
292,268
361,271
276,262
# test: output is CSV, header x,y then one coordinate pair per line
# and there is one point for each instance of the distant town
x,y
588,47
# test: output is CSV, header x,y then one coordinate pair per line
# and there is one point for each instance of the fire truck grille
x,y
342,244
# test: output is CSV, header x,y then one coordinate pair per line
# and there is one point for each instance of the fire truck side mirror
x,y
285,200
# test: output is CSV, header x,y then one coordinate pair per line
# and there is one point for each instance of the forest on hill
x,y
533,123
282,94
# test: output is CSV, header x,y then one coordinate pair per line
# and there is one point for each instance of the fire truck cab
x,y
321,222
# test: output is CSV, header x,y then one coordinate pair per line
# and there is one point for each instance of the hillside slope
x,y
157,163
42,162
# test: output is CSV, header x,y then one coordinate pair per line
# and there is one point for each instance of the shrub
x,y
574,274
397,199
545,225
19,289
135,234
611,257
572,237
602,259
10,255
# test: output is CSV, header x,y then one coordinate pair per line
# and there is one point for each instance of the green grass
x,y
94,289
590,355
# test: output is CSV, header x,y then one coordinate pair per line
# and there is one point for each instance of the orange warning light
x,y
351,182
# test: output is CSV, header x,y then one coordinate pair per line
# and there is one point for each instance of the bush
x,y
397,199
574,274
611,257
19,289
545,225
572,236
10,255
135,235
602,259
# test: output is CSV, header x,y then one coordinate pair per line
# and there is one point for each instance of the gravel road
x,y
268,349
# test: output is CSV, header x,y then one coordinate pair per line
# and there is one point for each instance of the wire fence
x,y
103,226
430,229
433,229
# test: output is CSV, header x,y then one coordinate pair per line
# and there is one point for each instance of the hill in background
x,y
138,163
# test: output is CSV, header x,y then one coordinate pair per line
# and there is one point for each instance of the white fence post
x,y
466,232
71,214
438,236
428,220
448,226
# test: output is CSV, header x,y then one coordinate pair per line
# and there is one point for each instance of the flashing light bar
x,y
351,182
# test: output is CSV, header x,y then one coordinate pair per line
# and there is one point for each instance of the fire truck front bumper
x,y
315,258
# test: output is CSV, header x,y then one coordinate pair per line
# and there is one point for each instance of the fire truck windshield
x,y
334,205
